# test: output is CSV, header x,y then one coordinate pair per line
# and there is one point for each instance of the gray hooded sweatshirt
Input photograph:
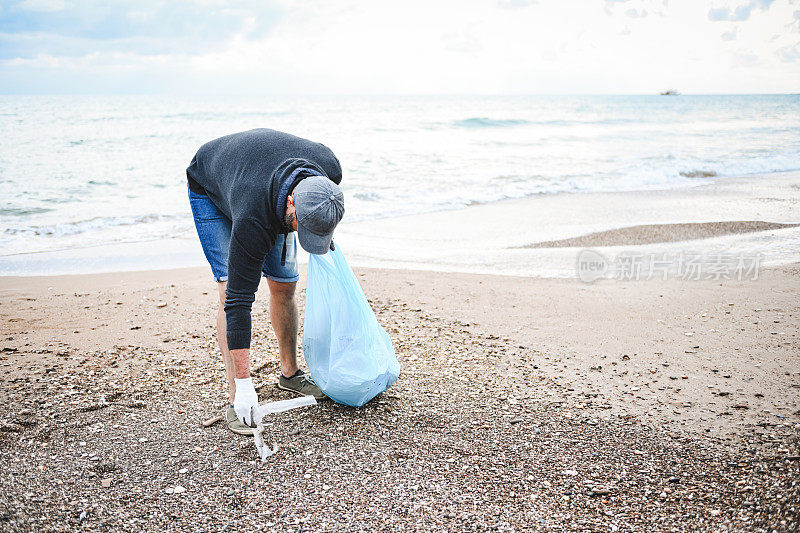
x,y
248,176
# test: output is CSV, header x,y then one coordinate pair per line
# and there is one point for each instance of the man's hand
x,y
246,401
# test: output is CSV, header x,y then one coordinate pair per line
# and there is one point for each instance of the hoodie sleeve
x,y
249,245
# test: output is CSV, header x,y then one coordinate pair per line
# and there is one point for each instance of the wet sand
x,y
494,238
660,233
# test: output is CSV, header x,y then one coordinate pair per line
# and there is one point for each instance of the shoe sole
x,y
281,387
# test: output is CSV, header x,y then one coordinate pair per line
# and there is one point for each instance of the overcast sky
x,y
413,46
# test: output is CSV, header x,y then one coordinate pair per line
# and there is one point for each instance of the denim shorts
x,y
214,230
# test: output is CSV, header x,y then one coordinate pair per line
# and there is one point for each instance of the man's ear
x,y
290,200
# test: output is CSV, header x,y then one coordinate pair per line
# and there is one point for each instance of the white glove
x,y
246,401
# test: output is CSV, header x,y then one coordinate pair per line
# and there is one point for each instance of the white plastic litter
x,y
263,448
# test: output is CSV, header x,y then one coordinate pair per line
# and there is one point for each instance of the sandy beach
x,y
579,227
524,403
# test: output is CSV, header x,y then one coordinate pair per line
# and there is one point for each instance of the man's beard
x,y
288,220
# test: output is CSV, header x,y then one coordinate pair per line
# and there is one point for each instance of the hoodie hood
x,y
286,177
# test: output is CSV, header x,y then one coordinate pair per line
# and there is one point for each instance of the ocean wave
x,y
92,224
18,211
368,196
215,115
698,173
200,115
400,155
483,122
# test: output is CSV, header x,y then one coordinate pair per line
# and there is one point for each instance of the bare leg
x,y
222,339
283,315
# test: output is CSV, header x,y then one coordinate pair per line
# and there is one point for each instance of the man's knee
x,y
280,290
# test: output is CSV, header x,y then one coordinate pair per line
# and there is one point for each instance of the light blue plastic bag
x,y
350,355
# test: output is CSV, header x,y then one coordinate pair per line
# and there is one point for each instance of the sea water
x,y
81,171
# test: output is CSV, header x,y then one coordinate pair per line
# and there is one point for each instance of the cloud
x,y
364,47
634,14
609,5
515,4
746,59
719,13
30,28
789,54
43,5
795,23
740,14
465,42
730,35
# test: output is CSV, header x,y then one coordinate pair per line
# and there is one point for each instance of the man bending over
x,y
249,192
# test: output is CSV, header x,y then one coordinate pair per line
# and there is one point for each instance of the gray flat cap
x,y
319,205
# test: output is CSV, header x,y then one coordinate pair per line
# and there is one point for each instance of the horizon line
x,y
411,94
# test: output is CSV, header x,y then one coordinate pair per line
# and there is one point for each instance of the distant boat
x,y
670,92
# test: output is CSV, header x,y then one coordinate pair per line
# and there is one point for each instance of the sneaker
x,y
302,384
236,425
